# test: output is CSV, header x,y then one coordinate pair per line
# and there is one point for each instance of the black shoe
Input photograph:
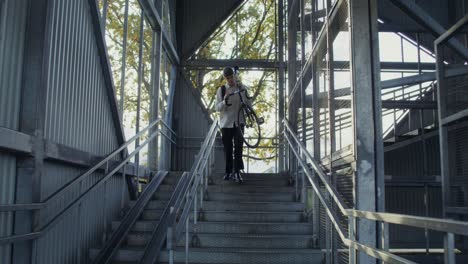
x,y
238,177
227,176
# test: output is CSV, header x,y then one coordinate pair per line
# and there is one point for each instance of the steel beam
x,y
154,18
408,104
413,10
318,44
22,145
154,98
406,81
220,64
16,142
292,105
403,66
106,70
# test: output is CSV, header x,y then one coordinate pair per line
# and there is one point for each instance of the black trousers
x,y
229,136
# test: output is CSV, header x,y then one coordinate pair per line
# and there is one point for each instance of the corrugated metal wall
x,y
190,122
78,112
82,227
12,28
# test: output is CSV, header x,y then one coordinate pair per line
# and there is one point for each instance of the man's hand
x,y
226,96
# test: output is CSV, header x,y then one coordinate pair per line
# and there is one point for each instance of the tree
x,y
250,34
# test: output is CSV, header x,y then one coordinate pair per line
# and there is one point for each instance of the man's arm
x,y
246,99
220,104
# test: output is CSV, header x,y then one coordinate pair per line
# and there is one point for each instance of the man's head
x,y
230,76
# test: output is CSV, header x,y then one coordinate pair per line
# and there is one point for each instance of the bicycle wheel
x,y
251,133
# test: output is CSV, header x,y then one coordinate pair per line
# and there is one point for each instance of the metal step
x,y
248,180
150,214
140,226
227,255
237,216
232,227
237,206
247,255
252,206
246,197
252,228
276,182
233,240
234,187
250,189
248,216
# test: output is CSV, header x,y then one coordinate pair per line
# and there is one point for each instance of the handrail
x,y
443,225
112,245
331,189
65,189
186,191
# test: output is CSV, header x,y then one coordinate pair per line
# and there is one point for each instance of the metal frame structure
x,y
402,111
354,242
109,171
447,118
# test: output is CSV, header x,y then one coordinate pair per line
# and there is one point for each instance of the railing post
x,y
195,203
352,238
201,188
384,237
187,240
170,236
106,170
122,194
449,248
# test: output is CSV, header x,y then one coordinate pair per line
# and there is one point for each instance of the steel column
x,y
124,64
154,98
140,79
368,146
32,122
281,79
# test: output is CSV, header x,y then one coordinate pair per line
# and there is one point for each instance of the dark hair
x,y
228,71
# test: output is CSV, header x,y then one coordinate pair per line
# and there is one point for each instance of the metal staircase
x,y
256,222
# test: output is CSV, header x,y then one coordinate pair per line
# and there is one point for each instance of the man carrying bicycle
x,y
228,107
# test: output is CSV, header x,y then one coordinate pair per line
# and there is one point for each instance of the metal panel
x,y
78,112
197,20
406,163
191,123
12,29
84,225
409,200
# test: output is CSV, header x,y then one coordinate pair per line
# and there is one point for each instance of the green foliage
x,y
249,34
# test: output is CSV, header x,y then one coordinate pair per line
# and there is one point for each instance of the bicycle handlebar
x,y
236,92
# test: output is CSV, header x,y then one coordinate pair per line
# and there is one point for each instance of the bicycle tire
x,y
247,114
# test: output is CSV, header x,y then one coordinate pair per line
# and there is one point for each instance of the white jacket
x,y
228,113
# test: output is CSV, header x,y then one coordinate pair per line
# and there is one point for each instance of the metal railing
x,y
68,188
118,236
447,226
187,198
413,94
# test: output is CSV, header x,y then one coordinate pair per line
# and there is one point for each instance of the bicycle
x,y
248,117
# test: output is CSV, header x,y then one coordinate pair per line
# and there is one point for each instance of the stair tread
x,y
235,250
237,211
139,233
